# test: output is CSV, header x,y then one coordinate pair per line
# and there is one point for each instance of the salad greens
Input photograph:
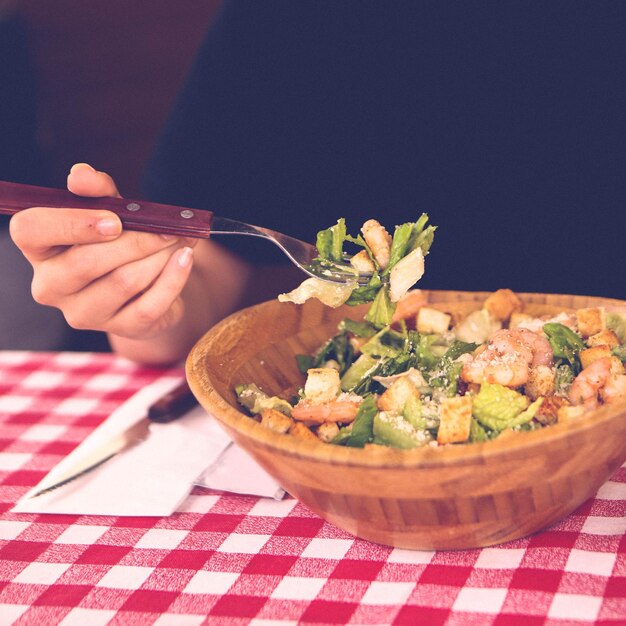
x,y
431,380
566,345
496,407
389,281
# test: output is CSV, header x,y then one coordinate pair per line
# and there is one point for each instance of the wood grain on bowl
x,y
446,497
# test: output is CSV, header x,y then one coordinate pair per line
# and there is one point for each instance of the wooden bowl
x,y
448,497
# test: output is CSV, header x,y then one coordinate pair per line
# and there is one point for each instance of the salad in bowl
x,y
411,374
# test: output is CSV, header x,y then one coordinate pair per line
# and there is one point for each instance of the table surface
x,y
230,559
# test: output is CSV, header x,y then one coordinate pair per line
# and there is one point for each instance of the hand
x,y
101,277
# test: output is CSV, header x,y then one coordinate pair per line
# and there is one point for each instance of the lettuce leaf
x,y
359,373
563,378
423,347
447,370
256,400
364,330
478,431
365,293
407,237
330,242
337,348
361,376
620,352
361,431
386,343
331,294
616,322
565,344
381,312
497,407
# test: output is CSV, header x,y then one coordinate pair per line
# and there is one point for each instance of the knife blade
x,y
167,408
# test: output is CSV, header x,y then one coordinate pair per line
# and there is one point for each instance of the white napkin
x,y
154,477
236,471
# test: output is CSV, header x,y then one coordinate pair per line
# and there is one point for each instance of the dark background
x,y
105,75
510,130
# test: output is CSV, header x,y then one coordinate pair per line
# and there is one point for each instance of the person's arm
x,y
153,295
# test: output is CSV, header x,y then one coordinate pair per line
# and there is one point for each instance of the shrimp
x,y
614,390
343,411
534,348
379,241
508,358
490,367
587,385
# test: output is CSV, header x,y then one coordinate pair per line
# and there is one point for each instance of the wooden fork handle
x,y
139,215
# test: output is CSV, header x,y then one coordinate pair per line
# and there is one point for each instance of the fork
x,y
176,220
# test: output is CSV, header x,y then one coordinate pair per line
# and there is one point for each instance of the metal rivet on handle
x,y
133,206
187,214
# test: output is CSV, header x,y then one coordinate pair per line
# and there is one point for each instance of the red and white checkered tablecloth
x,y
228,559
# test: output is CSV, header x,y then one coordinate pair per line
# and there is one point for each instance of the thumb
x,y
84,180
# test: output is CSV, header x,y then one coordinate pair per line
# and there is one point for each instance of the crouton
x,y
327,431
605,337
502,304
617,367
432,321
455,420
540,382
323,384
362,263
518,319
397,394
589,355
547,411
276,421
591,320
302,431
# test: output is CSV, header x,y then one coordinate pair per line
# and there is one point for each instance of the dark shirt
x,y
504,121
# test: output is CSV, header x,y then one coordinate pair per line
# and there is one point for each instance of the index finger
x,y
39,232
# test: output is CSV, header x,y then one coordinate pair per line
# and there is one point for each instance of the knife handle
x,y
172,405
135,214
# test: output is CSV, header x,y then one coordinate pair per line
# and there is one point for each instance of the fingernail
x,y
185,256
108,226
81,165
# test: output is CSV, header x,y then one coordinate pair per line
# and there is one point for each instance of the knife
x,y
169,407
